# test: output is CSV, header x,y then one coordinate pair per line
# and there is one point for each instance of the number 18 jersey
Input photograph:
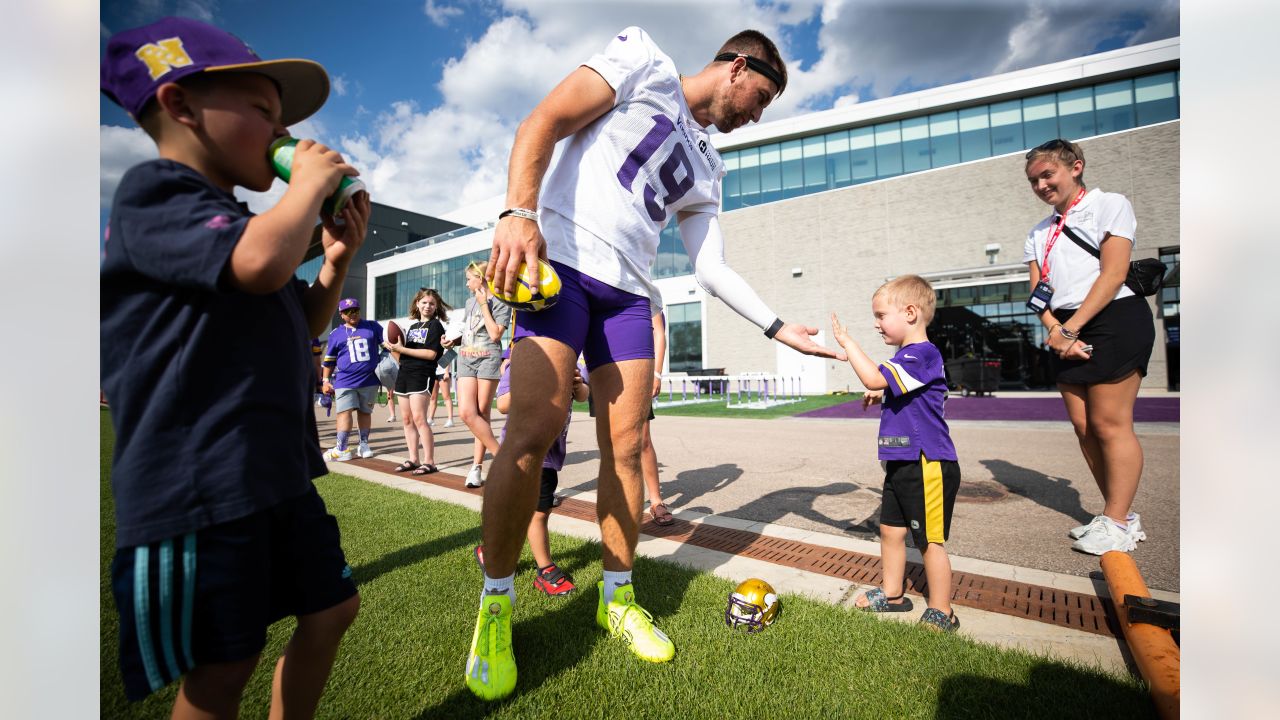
x,y
622,177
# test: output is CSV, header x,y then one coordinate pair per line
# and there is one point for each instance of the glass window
x,y
770,173
944,141
915,144
1113,103
838,158
975,134
1006,127
1039,120
862,154
749,167
684,332
792,168
1156,98
815,165
731,189
1075,113
888,149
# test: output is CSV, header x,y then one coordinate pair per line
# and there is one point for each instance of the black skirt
x,y
1122,336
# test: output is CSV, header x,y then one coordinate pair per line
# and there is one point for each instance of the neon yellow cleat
x,y
626,620
491,666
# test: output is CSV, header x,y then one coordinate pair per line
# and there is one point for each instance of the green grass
x,y
404,656
718,409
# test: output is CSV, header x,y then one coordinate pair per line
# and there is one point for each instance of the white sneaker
x,y
1078,532
1104,537
365,451
1135,528
391,418
448,423
334,454
431,422
474,480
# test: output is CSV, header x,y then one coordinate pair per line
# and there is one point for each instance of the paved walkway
x,y
814,483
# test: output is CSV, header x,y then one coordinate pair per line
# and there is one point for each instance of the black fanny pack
x,y
1146,276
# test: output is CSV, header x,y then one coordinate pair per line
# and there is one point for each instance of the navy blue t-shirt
x,y
210,387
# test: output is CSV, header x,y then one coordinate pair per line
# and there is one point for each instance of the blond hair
x,y
910,290
1059,150
478,267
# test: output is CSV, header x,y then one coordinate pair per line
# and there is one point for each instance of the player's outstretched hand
x,y
516,240
872,397
797,337
342,241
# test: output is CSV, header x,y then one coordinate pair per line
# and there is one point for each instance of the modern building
x,y
819,210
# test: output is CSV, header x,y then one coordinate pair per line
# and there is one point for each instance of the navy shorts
x,y
920,495
209,596
547,490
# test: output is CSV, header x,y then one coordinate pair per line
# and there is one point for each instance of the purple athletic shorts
x,y
604,324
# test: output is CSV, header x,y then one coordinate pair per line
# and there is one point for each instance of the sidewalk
x,y
747,507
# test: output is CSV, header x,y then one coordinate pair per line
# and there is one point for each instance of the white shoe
x,y
448,423
365,451
474,480
1078,532
391,418
431,422
1135,528
1104,537
334,454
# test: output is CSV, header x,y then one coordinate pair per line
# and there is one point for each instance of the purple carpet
x,y
1147,409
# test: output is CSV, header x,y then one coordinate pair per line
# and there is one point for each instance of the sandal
x,y
426,469
406,466
935,619
878,602
661,516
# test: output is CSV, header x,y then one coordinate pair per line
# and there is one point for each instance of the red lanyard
x,y
1053,236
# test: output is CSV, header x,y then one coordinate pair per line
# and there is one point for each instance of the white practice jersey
x,y
621,178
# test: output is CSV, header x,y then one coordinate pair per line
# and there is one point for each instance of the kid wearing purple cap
x,y
204,337
348,369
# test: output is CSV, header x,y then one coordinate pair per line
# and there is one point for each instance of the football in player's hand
x,y
394,335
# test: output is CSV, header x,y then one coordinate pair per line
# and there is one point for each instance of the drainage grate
x,y
1079,611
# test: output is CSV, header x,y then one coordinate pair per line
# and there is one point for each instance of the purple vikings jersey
x,y
912,420
355,351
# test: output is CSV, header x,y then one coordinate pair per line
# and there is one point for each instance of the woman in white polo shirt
x,y
1100,333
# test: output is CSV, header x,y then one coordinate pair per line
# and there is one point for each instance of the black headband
x,y
756,64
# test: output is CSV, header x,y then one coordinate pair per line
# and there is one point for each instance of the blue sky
x,y
427,93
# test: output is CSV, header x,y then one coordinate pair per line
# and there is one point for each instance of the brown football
x,y
394,335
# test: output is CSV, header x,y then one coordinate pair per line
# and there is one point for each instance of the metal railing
x,y
751,391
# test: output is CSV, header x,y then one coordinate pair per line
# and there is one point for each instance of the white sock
x,y
613,581
495,586
1122,526
1131,516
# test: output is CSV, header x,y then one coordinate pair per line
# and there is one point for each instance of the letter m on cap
x,y
163,56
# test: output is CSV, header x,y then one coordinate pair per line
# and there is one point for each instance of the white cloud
x,y
339,85
121,149
440,13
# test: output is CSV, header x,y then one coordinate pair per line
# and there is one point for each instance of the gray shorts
x,y
484,368
358,399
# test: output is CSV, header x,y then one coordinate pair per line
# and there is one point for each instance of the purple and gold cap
x,y
348,304
140,60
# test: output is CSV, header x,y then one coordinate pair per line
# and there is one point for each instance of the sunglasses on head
x,y
430,290
1051,146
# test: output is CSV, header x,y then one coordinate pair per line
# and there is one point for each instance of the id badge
x,y
1039,300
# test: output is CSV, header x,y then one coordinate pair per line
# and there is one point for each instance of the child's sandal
x,y
935,619
878,602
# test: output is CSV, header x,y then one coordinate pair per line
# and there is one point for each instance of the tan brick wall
x,y
849,241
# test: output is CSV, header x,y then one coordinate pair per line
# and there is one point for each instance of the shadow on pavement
x,y
1053,493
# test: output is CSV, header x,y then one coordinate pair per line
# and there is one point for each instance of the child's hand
x,y
318,168
392,346
342,241
838,332
872,397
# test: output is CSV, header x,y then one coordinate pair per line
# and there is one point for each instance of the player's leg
x,y
622,406
543,369
1110,409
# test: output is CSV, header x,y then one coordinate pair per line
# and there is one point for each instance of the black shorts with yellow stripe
x,y
920,496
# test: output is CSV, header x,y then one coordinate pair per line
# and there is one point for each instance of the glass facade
x,y
992,321
392,293
684,337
